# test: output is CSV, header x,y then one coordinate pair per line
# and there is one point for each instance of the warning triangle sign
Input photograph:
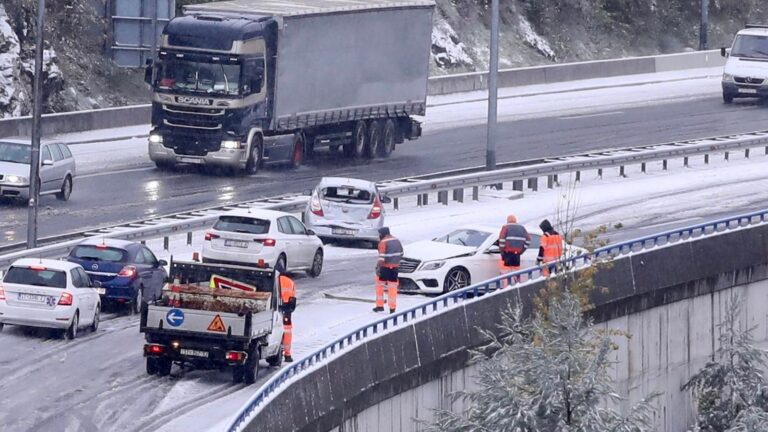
x,y
217,325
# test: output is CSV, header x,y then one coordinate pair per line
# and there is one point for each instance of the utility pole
x,y
34,167
493,70
704,27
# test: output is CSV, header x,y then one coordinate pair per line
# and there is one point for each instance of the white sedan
x,y
50,294
458,259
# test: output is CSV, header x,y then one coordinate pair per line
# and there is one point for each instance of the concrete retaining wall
x,y
139,114
669,299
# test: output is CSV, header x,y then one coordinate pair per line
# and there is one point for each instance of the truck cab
x,y
746,69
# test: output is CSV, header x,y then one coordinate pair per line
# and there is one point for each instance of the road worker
x,y
390,252
551,248
288,296
513,241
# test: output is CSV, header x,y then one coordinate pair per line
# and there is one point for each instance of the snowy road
x,y
97,383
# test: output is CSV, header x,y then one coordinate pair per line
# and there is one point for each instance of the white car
x,y
460,258
263,238
50,294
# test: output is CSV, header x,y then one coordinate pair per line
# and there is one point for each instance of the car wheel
x,y
251,367
136,306
152,368
164,366
317,264
66,189
254,159
727,98
457,278
96,316
71,332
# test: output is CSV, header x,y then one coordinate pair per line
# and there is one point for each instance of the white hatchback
x,y
265,238
50,294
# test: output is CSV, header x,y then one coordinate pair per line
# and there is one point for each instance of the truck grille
x,y
407,285
409,265
192,145
193,118
748,80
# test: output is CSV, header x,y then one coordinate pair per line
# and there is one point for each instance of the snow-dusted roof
x,y
754,31
300,7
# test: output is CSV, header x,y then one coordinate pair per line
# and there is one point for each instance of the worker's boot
x,y
288,359
391,311
378,309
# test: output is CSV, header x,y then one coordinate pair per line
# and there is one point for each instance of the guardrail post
x,y
550,182
517,185
475,193
458,195
600,172
706,159
766,150
727,155
621,171
144,242
442,197
166,243
396,203
685,161
664,165
642,167
533,184
189,238
746,153
424,199
578,176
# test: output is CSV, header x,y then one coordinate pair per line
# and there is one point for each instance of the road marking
x,y
604,114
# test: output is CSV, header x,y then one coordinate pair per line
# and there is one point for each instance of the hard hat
x,y
511,219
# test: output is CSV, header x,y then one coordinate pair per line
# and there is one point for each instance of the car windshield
x,y
346,194
37,277
465,237
748,46
209,78
242,225
99,253
16,153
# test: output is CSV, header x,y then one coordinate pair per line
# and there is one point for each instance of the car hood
x,y
12,168
746,68
429,250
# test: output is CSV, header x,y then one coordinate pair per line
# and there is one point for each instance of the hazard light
x,y
267,242
66,299
154,349
236,356
128,271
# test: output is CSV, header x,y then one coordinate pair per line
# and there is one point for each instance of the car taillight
x,y
210,236
128,271
236,356
38,268
2,292
154,348
314,205
376,209
66,299
267,242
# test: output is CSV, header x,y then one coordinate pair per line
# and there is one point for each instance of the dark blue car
x,y
128,271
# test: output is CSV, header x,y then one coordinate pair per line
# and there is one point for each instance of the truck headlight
x,y
16,180
230,144
155,138
432,265
727,77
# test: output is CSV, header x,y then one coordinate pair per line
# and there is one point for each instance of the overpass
x,y
668,291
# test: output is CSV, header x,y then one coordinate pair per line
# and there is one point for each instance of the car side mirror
x,y
723,52
162,263
386,200
493,250
310,232
47,162
96,284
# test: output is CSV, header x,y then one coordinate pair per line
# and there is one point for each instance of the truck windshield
x,y
747,46
200,77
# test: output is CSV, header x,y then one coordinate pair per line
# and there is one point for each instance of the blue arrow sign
x,y
175,317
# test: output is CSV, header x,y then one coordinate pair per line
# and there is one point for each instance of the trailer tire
x,y
251,367
387,142
254,157
164,366
152,368
356,148
374,139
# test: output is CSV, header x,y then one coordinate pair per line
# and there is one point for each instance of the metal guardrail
x,y
435,306
420,186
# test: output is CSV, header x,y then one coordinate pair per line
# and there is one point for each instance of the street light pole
x,y
34,167
493,69
704,27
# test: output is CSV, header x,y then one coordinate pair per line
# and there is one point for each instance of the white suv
x,y
263,238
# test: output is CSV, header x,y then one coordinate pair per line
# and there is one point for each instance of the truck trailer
x,y
244,83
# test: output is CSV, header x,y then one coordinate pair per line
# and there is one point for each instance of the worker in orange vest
x,y
551,248
513,241
288,296
387,267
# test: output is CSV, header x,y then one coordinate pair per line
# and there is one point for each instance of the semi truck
x,y
245,83
215,316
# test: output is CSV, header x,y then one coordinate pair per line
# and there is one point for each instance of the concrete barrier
x,y
78,121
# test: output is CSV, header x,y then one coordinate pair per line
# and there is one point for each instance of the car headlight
x,y
727,77
432,265
230,144
155,138
17,180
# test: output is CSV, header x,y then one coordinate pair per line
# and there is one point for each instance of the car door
x,y
289,239
69,160
158,275
304,244
145,271
47,172
82,289
484,264
59,167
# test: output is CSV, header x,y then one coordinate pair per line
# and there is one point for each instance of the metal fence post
x,y
600,172
664,165
442,197
517,185
642,167
189,238
578,176
685,161
706,159
396,203
166,243
475,193
727,155
533,184
458,195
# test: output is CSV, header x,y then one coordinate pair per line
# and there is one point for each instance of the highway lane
x,y
119,196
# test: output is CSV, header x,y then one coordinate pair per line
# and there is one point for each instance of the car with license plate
x,y
745,74
51,294
57,168
128,272
345,208
263,238
460,258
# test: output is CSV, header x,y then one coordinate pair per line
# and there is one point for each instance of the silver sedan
x,y
57,168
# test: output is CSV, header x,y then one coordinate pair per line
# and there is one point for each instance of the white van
x,y
746,70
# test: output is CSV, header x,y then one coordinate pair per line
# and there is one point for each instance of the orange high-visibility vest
x,y
287,288
553,247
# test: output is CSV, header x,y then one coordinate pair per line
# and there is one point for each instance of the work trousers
x,y
287,334
387,280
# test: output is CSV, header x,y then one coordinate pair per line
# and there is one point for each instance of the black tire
x,y
387,142
277,359
297,155
375,132
164,366
317,264
333,148
282,262
136,303
96,318
152,367
66,189
1,326
71,332
456,278
251,367
254,158
356,148
727,98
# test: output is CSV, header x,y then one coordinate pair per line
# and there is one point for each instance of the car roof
x,y
347,181
27,141
49,263
256,213
754,31
109,242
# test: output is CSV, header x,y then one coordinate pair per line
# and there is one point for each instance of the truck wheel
x,y
387,143
251,367
374,139
164,366
298,151
151,366
356,148
727,98
254,159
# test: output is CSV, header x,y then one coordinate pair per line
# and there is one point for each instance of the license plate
x,y
343,231
190,160
236,243
101,290
32,297
750,91
193,353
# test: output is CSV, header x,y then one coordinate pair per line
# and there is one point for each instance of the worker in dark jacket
x,y
551,248
513,242
288,297
387,267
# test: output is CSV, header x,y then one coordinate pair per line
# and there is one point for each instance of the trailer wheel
x,y
251,366
356,148
151,366
164,366
387,142
374,139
